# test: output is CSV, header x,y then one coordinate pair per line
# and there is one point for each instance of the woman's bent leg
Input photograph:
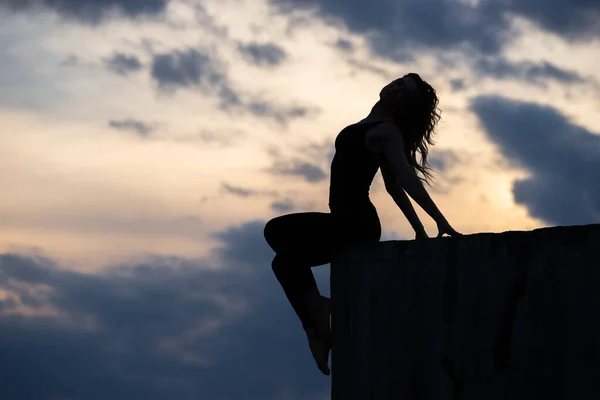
x,y
295,280
301,241
304,240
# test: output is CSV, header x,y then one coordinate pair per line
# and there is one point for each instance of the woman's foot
x,y
319,311
317,328
319,346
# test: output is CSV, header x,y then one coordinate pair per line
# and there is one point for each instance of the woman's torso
x,y
355,163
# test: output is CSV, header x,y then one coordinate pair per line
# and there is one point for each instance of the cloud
x,y
90,11
23,87
218,138
207,22
345,45
318,152
364,66
262,54
315,159
283,206
243,192
123,64
187,68
575,19
563,159
281,114
396,29
70,61
348,48
158,329
536,73
443,160
457,84
238,191
138,127
297,167
193,69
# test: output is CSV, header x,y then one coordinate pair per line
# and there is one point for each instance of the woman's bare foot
x,y
318,329
319,309
319,346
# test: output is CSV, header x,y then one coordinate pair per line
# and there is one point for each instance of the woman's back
x,y
352,169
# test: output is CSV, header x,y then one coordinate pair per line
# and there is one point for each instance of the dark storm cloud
x,y
123,64
187,68
91,11
398,28
562,158
262,54
296,167
166,328
574,19
193,69
536,73
139,127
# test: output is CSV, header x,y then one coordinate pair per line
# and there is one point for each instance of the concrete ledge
x,y
512,315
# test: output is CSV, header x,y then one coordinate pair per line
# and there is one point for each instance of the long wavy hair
x,y
416,117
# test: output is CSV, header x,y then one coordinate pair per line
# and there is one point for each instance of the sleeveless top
x,y
352,170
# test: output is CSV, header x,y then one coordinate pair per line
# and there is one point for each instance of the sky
x,y
145,144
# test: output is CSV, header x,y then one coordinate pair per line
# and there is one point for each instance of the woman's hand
x,y
444,227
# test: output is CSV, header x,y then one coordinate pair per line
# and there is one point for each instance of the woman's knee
x,y
270,232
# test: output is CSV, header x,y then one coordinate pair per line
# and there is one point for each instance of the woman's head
x,y
413,104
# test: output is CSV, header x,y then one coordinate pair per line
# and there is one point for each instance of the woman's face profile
x,y
403,90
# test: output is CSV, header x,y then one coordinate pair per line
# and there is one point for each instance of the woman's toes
x,y
319,348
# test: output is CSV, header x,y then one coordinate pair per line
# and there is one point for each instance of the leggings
x,y
310,239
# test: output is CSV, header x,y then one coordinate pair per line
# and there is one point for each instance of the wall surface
x,y
512,315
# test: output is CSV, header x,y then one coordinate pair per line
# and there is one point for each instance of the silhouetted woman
x,y
400,124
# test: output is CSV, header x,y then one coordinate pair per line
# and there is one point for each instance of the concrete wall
x,y
512,315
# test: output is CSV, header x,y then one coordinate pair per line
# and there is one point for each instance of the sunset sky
x,y
145,143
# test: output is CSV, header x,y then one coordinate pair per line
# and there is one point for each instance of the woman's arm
x,y
405,205
401,173
401,198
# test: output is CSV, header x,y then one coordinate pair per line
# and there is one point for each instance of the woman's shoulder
x,y
369,120
384,129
